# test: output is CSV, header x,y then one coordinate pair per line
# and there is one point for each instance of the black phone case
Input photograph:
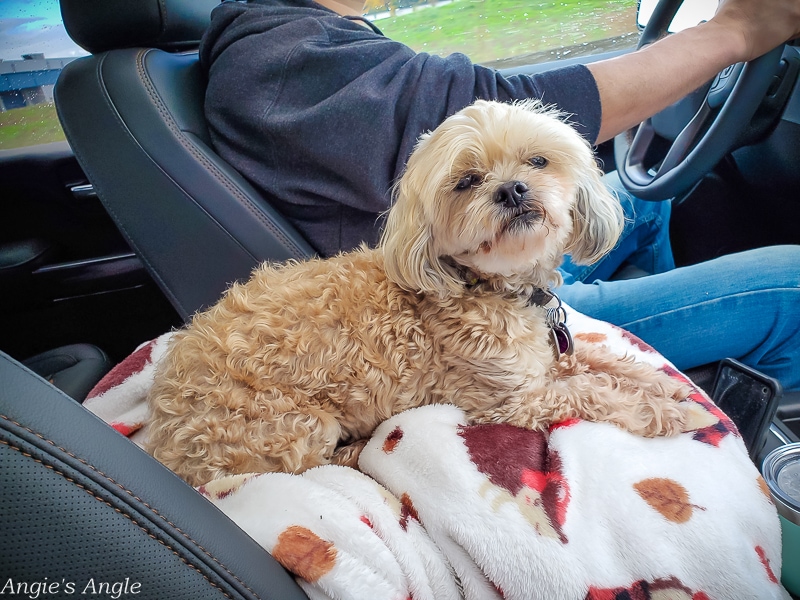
x,y
749,398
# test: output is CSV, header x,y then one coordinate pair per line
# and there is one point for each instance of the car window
x,y
507,33
34,47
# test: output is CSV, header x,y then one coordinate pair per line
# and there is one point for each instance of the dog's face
x,y
504,191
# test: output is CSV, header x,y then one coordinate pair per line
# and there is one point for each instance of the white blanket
x,y
444,509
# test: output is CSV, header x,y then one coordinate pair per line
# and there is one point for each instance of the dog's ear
x,y
410,256
597,219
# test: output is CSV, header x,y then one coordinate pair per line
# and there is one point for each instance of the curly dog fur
x,y
297,366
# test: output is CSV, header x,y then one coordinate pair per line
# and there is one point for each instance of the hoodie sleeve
x,y
321,113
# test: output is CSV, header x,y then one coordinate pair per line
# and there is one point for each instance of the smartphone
x,y
749,398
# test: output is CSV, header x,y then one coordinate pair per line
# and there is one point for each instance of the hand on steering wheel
x,y
657,160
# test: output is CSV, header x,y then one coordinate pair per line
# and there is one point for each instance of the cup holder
x,y
781,471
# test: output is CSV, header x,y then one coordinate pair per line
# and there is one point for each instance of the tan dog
x,y
309,357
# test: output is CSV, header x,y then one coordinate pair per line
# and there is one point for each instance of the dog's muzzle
x,y
511,194
519,209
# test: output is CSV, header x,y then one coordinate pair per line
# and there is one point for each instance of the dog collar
x,y
556,319
556,316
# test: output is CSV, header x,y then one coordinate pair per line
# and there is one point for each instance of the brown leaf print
x,y
764,487
407,511
592,337
304,553
668,497
391,441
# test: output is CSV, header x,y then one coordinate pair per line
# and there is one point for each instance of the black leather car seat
x,y
80,501
74,369
133,114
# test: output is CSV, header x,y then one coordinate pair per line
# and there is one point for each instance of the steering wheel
x,y
709,122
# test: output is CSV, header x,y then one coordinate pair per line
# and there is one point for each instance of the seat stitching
x,y
127,491
172,125
134,246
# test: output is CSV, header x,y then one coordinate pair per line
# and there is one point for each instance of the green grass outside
x,y
489,30
28,126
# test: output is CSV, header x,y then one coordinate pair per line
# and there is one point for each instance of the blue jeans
x,y
644,242
745,305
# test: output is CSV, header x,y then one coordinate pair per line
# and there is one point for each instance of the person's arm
x,y
637,85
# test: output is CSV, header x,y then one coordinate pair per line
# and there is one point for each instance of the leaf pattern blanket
x,y
444,509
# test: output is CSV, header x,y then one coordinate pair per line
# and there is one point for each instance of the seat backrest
x,y
133,114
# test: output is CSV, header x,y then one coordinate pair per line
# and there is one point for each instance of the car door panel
x,y
66,273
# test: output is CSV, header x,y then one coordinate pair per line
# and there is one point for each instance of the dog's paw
x,y
347,456
668,418
667,408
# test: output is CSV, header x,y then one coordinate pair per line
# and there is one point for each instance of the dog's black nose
x,y
511,194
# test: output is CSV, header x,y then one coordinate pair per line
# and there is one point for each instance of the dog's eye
x,y
538,162
468,181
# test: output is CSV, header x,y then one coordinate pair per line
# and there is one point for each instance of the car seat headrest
x,y
99,25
